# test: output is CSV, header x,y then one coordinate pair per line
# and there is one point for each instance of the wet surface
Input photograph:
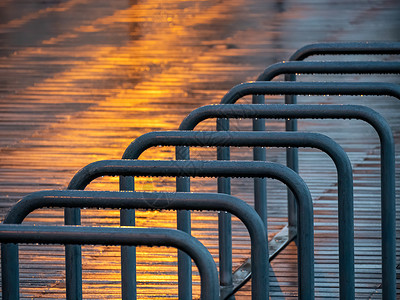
x,y
79,80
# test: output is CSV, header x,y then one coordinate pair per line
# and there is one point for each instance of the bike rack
x,y
346,48
324,88
366,114
175,168
360,48
115,236
163,201
220,169
290,69
224,170
300,67
259,154
270,139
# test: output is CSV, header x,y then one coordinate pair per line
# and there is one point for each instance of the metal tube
x,y
73,258
293,67
310,88
224,219
329,67
317,88
121,236
346,48
128,254
388,256
334,112
179,201
277,139
259,154
219,169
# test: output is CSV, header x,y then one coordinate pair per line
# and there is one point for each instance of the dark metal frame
x,y
324,88
177,201
388,225
357,48
323,112
115,236
268,139
293,67
219,169
300,67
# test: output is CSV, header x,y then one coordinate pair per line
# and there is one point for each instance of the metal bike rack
x,y
327,67
272,139
291,68
224,170
259,124
177,201
219,169
346,48
300,67
366,114
360,48
319,88
115,236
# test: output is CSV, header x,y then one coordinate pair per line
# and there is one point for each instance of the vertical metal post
x,y
388,213
388,248
73,258
292,157
259,154
224,218
128,253
184,224
10,272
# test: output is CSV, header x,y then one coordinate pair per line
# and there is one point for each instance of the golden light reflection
x,y
81,79
151,101
105,97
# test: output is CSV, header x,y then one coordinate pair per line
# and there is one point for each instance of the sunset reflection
x,y
81,79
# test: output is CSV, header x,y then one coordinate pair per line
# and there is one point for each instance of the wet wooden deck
x,y
79,80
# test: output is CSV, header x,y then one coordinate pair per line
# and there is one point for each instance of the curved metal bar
x,y
346,48
317,88
329,67
310,88
294,67
179,168
119,236
219,169
276,139
390,48
177,201
388,199
291,68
